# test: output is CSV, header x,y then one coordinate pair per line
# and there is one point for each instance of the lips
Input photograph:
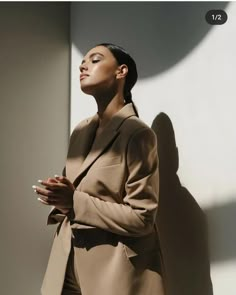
x,y
82,76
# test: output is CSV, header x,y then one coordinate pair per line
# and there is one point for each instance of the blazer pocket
x,y
106,162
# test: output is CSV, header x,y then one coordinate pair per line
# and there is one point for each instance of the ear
x,y
122,71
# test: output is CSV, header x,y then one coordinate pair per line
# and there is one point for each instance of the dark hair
x,y
123,57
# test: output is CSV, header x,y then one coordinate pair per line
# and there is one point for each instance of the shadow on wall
x,y
158,34
182,223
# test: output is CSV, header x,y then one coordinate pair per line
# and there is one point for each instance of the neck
x,y
108,107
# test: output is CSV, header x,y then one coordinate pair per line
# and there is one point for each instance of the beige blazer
x,y
112,226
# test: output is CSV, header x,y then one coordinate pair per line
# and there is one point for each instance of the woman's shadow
x,y
181,222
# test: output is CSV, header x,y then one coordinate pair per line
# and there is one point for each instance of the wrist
x,y
64,210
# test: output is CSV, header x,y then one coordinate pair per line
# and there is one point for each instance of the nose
x,y
83,67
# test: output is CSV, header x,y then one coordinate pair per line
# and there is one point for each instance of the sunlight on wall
x,y
223,275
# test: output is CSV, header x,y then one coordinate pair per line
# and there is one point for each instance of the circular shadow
x,y
157,34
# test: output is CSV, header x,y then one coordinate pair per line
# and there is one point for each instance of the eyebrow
x,y
92,55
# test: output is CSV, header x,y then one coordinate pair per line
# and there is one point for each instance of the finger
x,y
48,180
51,203
43,202
49,200
52,185
44,198
52,180
63,179
48,203
44,192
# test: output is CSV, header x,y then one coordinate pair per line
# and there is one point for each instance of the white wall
x,y
34,116
187,70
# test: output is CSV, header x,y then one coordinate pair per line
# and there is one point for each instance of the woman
x,y
106,201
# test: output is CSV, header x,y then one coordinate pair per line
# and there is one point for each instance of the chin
x,y
91,89
87,89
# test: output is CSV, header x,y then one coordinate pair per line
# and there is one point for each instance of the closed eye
x,y
95,61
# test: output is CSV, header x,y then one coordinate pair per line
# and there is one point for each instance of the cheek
x,y
101,73
99,77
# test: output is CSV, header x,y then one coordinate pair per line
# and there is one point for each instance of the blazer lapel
x,y
104,140
80,147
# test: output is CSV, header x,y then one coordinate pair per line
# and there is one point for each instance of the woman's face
x,y
98,71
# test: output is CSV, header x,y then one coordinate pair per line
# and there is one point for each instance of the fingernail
x,y
56,175
40,181
35,191
34,186
38,199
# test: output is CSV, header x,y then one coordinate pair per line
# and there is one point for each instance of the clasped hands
x,y
57,192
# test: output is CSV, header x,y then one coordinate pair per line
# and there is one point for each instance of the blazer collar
x,y
87,155
119,117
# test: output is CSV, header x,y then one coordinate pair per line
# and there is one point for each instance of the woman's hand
x,y
57,192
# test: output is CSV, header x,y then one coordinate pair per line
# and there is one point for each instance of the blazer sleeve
x,y
136,215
